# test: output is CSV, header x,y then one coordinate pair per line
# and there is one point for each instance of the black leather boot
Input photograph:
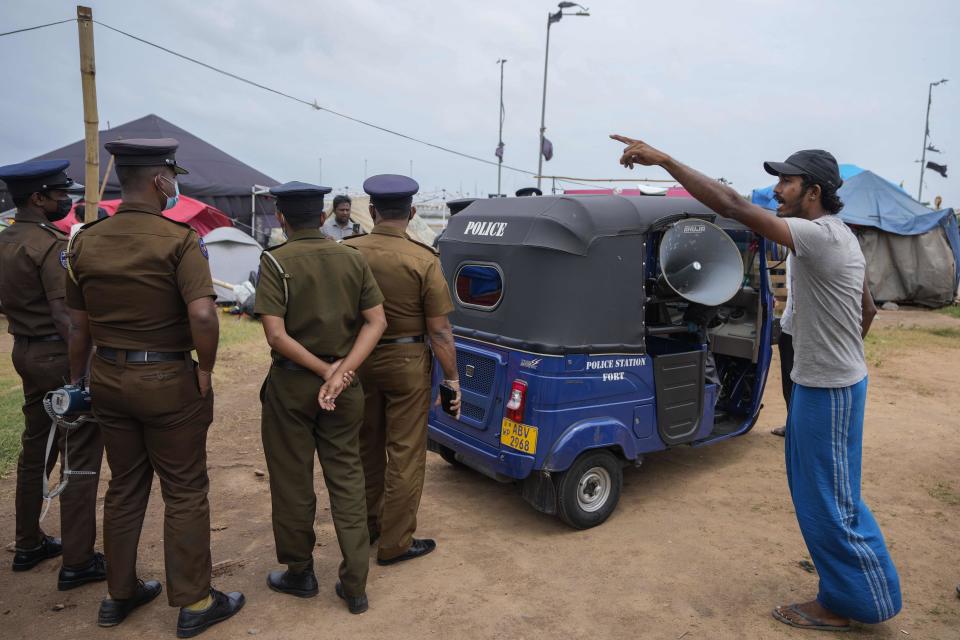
x,y
93,572
49,547
302,585
224,605
356,604
113,612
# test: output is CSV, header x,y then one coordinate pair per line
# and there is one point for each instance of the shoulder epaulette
x,y
425,246
284,276
356,235
52,230
178,223
68,254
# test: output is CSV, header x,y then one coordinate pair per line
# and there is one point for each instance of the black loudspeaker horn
x,y
701,262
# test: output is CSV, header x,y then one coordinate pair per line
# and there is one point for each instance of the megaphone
x,y
701,262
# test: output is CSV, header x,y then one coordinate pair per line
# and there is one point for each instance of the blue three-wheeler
x,y
592,330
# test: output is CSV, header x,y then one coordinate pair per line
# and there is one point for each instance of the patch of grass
x,y
236,330
945,332
952,310
11,417
881,343
944,492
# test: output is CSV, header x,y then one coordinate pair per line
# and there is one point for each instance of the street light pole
x,y
500,62
551,18
926,136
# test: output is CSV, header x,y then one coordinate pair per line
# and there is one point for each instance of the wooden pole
x,y
91,121
106,176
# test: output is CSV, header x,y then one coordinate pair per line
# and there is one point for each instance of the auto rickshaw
x,y
594,330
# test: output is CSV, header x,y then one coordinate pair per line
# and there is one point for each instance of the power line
x,y
39,26
313,104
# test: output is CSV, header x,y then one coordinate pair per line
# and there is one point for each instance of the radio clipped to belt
x,y
69,408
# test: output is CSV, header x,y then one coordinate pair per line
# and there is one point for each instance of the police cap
x,y
390,190
299,198
145,152
37,175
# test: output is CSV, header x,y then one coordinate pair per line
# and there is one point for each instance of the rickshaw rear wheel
x,y
588,492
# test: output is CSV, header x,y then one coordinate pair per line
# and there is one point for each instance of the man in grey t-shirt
x,y
858,580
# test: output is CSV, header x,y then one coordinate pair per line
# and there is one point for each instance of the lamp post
x,y
500,62
926,136
551,18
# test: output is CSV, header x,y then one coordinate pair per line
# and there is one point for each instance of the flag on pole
x,y
547,149
939,168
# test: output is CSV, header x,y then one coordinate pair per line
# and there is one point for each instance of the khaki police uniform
x,y
31,275
396,383
327,287
134,275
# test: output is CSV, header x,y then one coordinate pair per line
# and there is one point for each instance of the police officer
x,y
396,378
140,291
32,287
322,314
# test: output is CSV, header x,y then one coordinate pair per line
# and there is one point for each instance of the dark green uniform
x,y
328,286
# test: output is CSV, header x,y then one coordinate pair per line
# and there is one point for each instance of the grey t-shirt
x,y
826,287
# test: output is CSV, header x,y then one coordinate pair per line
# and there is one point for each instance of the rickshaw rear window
x,y
479,286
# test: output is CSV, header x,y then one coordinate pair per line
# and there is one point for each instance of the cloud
x,y
721,85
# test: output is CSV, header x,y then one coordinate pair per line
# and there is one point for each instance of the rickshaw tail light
x,y
518,401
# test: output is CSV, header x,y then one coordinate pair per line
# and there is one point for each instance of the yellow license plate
x,y
518,436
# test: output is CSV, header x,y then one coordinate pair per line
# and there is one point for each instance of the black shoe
x,y
50,547
225,605
417,548
95,571
302,585
356,604
113,612
374,535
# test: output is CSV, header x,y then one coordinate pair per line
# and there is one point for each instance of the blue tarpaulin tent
x,y
913,253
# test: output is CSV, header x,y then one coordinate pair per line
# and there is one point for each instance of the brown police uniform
x,y
135,274
396,383
31,275
328,286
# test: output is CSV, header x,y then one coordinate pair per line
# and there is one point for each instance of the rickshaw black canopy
x,y
572,268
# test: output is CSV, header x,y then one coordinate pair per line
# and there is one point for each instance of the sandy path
x,y
702,545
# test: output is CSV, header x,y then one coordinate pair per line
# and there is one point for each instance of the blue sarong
x,y
823,454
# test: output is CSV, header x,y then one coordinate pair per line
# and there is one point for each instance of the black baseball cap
x,y
815,163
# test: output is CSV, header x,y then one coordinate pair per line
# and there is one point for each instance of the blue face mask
x,y
175,198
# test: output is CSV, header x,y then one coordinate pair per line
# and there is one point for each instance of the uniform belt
x,y
53,337
290,365
141,357
403,340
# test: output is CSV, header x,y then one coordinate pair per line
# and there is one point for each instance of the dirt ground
x,y
703,544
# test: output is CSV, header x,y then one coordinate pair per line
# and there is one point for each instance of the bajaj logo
x,y
469,370
695,228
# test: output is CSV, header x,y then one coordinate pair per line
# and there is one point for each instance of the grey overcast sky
x,y
720,85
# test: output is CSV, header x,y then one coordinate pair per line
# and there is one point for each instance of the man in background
x,y
338,225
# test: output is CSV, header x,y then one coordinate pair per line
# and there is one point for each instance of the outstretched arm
x,y
715,195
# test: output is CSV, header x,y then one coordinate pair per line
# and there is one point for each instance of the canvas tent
x,y
233,255
912,253
215,177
